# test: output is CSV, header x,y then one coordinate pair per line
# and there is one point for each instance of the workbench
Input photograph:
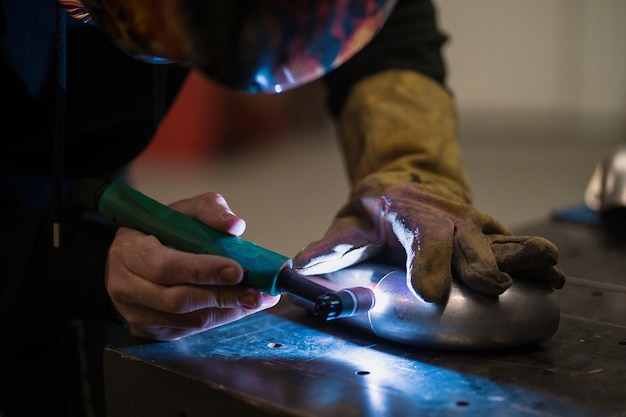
x,y
285,362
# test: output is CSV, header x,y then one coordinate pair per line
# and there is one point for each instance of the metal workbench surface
x,y
286,362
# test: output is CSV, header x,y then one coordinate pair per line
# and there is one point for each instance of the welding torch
x,y
265,270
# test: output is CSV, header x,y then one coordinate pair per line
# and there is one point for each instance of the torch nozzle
x,y
344,303
325,303
267,271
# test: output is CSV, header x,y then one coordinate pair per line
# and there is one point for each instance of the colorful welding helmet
x,y
258,46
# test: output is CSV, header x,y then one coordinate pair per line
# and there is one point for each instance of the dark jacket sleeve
x,y
42,285
410,39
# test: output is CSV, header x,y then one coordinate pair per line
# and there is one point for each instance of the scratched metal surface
x,y
283,362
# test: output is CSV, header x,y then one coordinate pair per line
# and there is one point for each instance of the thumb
x,y
340,248
354,235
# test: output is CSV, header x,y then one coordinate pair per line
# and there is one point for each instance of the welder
x,y
84,88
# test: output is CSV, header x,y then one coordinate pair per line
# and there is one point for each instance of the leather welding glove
x,y
410,202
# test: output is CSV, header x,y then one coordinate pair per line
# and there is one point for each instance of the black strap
x,y
59,129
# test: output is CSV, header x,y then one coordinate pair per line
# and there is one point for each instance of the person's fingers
x,y
550,275
144,276
166,294
475,263
515,253
157,325
142,255
173,281
354,235
212,210
182,298
337,250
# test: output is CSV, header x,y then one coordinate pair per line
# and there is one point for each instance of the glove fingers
x,y
475,263
354,235
428,258
551,275
338,249
516,253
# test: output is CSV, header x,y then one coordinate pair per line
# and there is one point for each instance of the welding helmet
x,y
258,46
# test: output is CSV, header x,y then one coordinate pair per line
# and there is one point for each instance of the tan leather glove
x,y
410,203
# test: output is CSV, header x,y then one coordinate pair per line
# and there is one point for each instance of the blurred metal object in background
x,y
256,46
527,313
606,191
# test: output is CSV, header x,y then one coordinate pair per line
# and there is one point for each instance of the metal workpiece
x,y
526,313
606,190
286,362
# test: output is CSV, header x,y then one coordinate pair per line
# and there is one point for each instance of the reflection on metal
x,y
283,362
526,313
607,187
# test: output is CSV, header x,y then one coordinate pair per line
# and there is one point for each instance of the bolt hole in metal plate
x,y
285,362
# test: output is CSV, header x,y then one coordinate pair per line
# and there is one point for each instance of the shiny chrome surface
x,y
607,187
284,362
526,313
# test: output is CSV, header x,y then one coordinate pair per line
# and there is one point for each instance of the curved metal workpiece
x,y
526,313
606,190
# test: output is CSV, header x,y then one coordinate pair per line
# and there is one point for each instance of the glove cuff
x,y
399,126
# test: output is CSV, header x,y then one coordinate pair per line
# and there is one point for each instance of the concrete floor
x,y
521,166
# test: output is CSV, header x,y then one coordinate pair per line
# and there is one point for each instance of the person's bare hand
x,y
166,294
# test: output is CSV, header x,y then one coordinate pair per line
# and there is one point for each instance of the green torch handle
x,y
128,207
